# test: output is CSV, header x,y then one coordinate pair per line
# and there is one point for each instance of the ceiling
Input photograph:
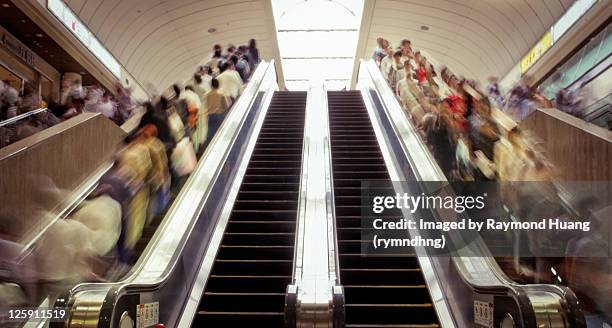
x,y
24,29
163,41
475,38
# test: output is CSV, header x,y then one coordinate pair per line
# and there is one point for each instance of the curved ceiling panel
x,y
474,38
163,41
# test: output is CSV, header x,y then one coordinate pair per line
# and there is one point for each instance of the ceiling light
x,y
5,5
39,35
212,30
23,21
424,28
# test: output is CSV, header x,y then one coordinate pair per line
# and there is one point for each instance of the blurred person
x,y
96,102
202,129
570,101
159,175
69,250
386,63
159,119
521,100
421,71
125,102
136,162
484,132
396,71
64,254
432,90
216,108
175,124
409,94
406,49
180,104
437,128
230,83
8,100
114,184
74,107
507,155
380,50
253,54
194,106
58,110
216,59
494,92
242,66
201,82
463,159
29,100
457,104
71,88
231,49
29,127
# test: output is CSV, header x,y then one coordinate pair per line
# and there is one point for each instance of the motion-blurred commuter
x,y
230,83
494,92
396,71
408,93
253,54
380,51
126,104
216,59
216,108
570,101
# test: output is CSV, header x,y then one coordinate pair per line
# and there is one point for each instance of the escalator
x,y
382,290
254,262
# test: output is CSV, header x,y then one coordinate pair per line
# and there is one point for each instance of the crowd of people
x,y
75,99
455,118
98,241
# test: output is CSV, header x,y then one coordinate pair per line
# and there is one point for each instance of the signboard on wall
x,y
13,45
536,52
71,21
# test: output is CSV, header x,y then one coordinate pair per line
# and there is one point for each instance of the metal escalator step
x,y
261,226
238,319
248,283
259,238
420,314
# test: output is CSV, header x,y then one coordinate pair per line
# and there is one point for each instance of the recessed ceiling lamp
x,y
424,28
23,21
212,30
39,35
5,5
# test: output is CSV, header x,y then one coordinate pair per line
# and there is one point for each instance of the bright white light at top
x,y
317,40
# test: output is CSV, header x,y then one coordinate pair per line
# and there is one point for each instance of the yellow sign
x,y
536,52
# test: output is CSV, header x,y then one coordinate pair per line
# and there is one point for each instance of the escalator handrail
x,y
160,257
23,116
495,280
